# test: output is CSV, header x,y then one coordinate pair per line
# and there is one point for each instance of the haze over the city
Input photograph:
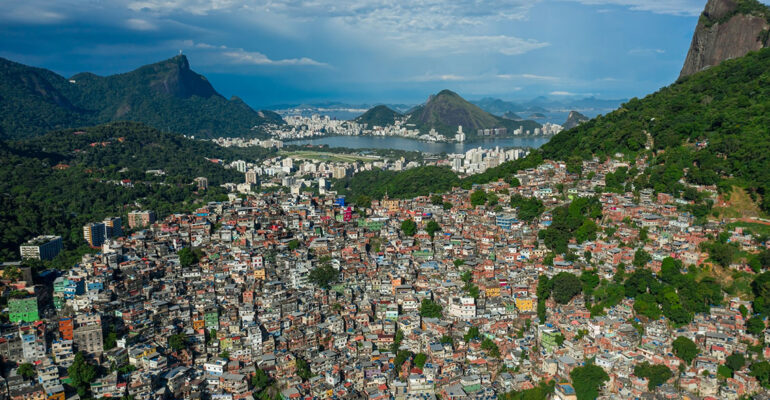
x,y
271,52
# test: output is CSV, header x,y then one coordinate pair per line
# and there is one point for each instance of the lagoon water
x,y
400,143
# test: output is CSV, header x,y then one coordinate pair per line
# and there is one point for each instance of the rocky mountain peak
x,y
727,29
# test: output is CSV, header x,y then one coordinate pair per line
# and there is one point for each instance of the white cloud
x,y
138,24
566,93
206,46
646,51
441,78
481,78
527,77
434,26
534,77
425,28
33,13
199,7
670,7
230,55
240,56
462,44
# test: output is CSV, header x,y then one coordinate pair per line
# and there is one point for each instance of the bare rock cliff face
x,y
723,33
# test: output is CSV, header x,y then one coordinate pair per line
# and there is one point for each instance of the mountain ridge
x,y
167,95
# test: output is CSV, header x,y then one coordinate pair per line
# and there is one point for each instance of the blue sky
x,y
272,51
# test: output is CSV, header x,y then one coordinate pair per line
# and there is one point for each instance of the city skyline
x,y
377,51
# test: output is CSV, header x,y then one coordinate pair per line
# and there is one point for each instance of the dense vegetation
x,y
576,220
685,349
81,374
708,128
426,180
56,183
562,287
724,108
761,371
378,116
409,227
420,181
670,293
430,309
588,380
542,391
761,290
656,374
529,208
324,276
392,154
166,95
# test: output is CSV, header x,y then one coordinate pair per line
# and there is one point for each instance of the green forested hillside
x,y
37,198
378,116
31,101
710,128
424,180
446,110
167,95
413,182
714,125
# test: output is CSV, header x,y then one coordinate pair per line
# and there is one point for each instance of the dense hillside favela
x,y
159,241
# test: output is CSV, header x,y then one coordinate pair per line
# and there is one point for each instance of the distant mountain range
x,y
334,109
167,95
446,110
555,110
512,115
545,105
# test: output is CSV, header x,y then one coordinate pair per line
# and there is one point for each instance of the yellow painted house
x,y
525,305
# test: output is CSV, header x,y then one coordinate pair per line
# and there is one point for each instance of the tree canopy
x,y
656,374
572,221
26,371
587,380
430,309
324,276
81,374
685,349
529,208
409,227
565,286
478,197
